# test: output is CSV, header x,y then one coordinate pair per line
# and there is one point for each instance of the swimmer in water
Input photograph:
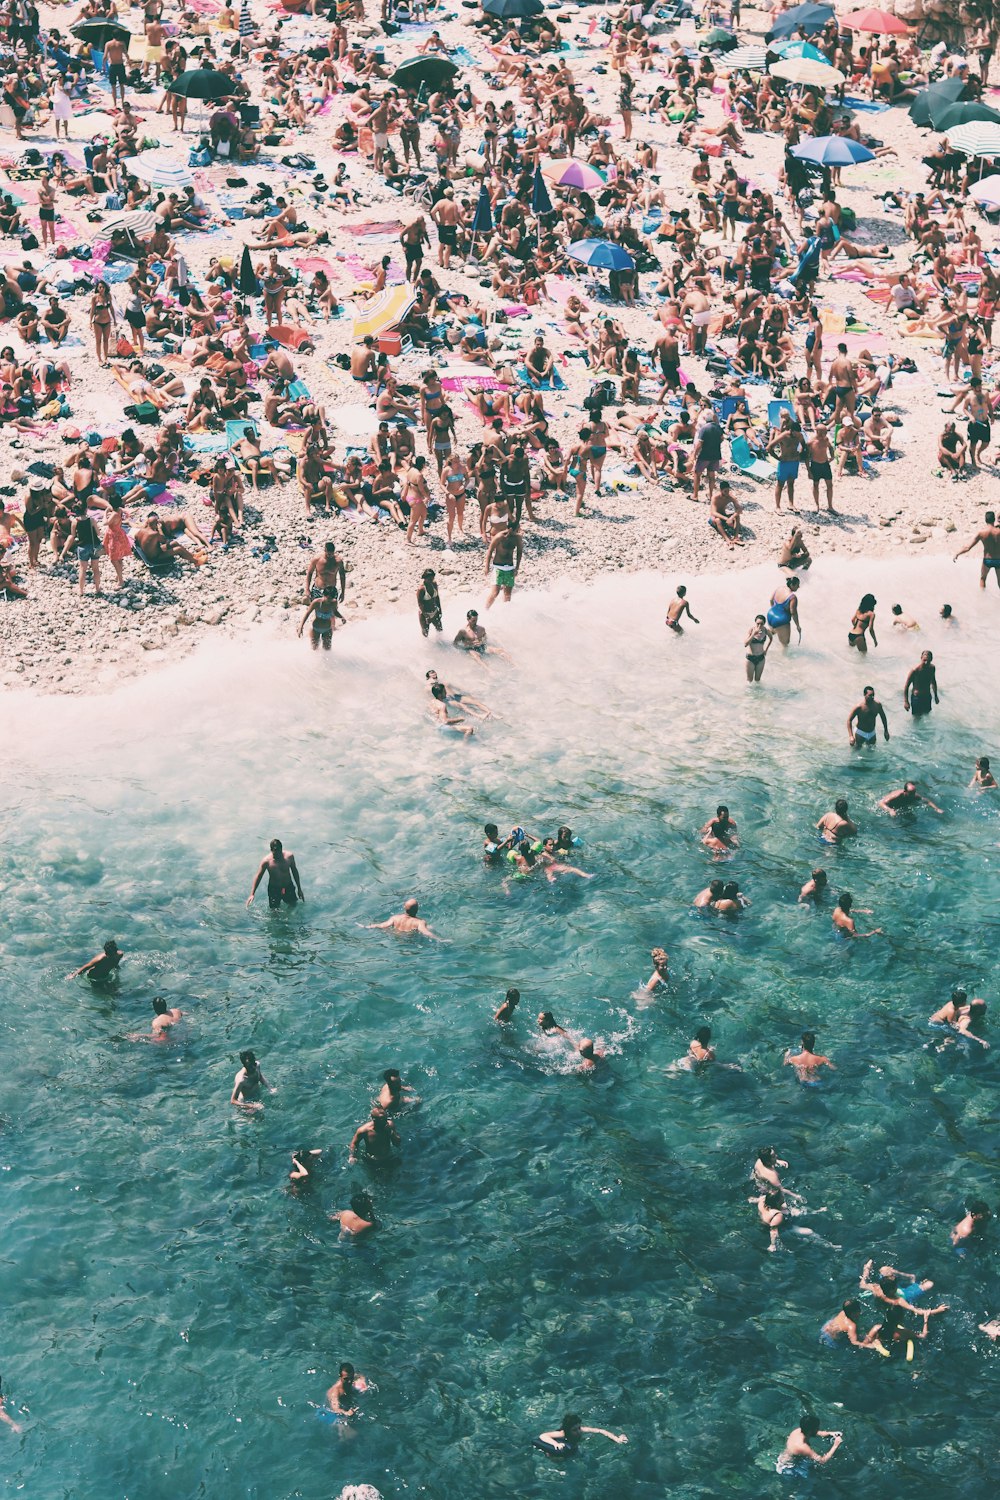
x,y
677,609
845,1323
394,1093
341,1397
554,867
770,1211
164,1016
961,1014
566,1439
765,1172
844,922
378,1136
103,967
886,1289
248,1083
947,614
901,621
732,901
862,719
465,701
921,686
719,833
798,1452
700,1050
549,1027
359,1218
969,1228
407,921
5,1415
440,712
505,1012
283,883
983,778
815,887
808,1062
589,1055
836,826
905,799
711,894
472,638
303,1165
660,974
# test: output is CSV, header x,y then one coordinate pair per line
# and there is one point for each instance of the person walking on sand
x,y
988,537
504,557
820,455
283,883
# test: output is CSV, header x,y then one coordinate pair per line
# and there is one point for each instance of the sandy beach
x,y
55,641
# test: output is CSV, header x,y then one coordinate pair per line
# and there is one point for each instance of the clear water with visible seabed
x,y
171,1316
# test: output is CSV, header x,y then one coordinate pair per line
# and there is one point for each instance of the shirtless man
x,y
677,609
836,825
282,878
989,539
798,1450
807,1063
843,919
814,887
326,570
377,1135
504,556
406,921
378,122
961,1014
447,215
154,50
341,1395
862,720
789,449
820,470
921,686
363,362
359,1218
164,1016
114,57
472,638
843,381
907,797
976,1218
103,967
465,701
442,714
724,513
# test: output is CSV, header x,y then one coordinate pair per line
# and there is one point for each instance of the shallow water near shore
x,y
172,1315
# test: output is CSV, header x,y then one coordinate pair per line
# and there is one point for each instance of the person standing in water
x,y
784,611
282,878
511,1001
843,919
988,537
103,967
920,686
808,1062
863,718
863,625
757,645
906,798
5,1415
248,1083
377,1135
406,921
983,778
428,602
342,1395
677,609
798,1452
836,825
812,891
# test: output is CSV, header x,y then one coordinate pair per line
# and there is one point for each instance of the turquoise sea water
x,y
171,1316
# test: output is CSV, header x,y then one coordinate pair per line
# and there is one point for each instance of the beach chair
x,y
774,410
754,468
236,429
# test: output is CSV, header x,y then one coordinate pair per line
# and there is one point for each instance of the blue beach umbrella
x,y
797,49
833,151
807,18
541,203
483,222
512,10
601,255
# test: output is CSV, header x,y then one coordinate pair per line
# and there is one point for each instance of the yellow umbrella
x,y
384,310
807,70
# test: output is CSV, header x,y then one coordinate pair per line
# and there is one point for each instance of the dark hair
x,y
809,1040
513,996
703,1035
845,901
160,1006
809,1424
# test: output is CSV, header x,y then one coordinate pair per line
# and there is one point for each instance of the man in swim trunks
x,y
164,1016
377,1135
282,878
887,1290
862,720
724,513
798,1453
787,446
103,967
989,538
676,610
843,383
326,570
820,470
808,1062
504,556
154,50
920,685
447,215
906,797
836,825
407,921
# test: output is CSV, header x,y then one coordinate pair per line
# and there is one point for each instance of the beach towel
x,y
554,383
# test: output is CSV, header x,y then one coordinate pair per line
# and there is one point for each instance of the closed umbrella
x,y
384,311
833,151
948,89
946,115
483,222
987,191
809,19
96,33
248,283
202,83
574,174
432,71
140,223
247,24
879,22
513,10
601,255
979,138
159,170
747,60
541,203
806,70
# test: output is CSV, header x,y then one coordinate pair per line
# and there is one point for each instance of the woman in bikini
x,y
757,643
863,625
102,317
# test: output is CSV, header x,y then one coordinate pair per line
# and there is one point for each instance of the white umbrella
x,y
806,70
159,170
749,59
139,222
977,138
987,191
356,421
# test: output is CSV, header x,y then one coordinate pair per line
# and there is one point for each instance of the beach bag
x,y
145,412
29,242
124,348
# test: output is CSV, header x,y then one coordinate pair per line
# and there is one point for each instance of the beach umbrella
x,y
247,24
833,151
946,115
718,40
797,49
432,71
747,60
574,174
601,255
356,421
202,83
248,283
987,191
140,223
384,310
483,222
805,18
96,33
541,203
513,10
879,22
806,70
159,170
980,138
948,88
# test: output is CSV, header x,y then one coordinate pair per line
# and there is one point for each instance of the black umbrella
x,y
248,283
202,83
512,10
947,91
946,115
430,70
96,33
805,18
